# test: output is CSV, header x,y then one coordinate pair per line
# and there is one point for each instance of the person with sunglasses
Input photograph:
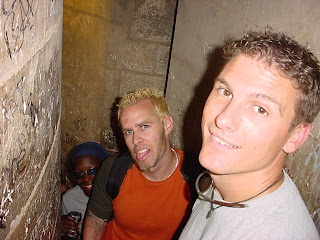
x,y
85,162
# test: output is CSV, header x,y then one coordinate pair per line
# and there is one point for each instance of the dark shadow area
x,y
69,168
171,45
120,143
192,120
192,139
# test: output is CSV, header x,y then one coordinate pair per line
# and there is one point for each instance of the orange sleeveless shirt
x,y
146,210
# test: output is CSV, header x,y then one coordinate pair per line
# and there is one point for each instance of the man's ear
x,y
298,136
168,124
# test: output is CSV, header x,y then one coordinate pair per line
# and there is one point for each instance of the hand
x,y
69,225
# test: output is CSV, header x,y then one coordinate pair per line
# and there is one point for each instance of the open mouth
x,y
87,187
141,155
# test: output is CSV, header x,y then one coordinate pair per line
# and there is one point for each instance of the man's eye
x,y
260,110
127,132
144,126
225,92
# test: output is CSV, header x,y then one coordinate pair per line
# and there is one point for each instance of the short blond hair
x,y
155,96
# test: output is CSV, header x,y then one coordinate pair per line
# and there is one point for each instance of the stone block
x,y
128,54
153,20
162,60
131,81
68,3
122,11
23,33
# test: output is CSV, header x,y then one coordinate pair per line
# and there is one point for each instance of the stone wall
x,y
109,48
30,103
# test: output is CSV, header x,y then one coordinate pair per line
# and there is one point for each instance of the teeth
x,y
143,150
224,143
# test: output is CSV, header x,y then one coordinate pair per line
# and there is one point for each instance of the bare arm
x,y
93,227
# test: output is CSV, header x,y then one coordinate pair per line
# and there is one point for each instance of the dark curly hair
x,y
291,59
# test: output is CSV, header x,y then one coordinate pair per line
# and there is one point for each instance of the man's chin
x,y
143,167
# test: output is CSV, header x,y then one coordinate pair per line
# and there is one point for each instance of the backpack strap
x,y
117,173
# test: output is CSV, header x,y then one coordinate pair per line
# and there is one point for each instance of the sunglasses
x,y
90,172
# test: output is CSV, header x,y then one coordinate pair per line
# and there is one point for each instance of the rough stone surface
x,y
30,80
202,27
130,81
153,20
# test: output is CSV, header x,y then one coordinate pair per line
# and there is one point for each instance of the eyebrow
x,y
138,125
270,99
257,95
221,80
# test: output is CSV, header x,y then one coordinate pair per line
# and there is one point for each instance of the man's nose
x,y
136,138
230,116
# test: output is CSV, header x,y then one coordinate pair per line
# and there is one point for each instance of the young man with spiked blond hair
x,y
150,198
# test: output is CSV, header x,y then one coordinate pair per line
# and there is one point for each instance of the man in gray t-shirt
x,y
260,109
281,214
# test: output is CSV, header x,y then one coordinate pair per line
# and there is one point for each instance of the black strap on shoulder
x,y
117,173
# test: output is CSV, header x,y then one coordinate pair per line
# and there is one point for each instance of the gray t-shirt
x,y
74,200
279,215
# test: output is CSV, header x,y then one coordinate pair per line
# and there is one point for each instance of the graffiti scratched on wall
x,y
29,110
19,18
16,131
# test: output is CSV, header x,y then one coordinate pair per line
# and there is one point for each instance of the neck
x,y
240,187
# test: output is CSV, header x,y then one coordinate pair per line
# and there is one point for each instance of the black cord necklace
x,y
238,204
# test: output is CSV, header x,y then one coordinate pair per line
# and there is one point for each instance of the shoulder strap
x,y
117,173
